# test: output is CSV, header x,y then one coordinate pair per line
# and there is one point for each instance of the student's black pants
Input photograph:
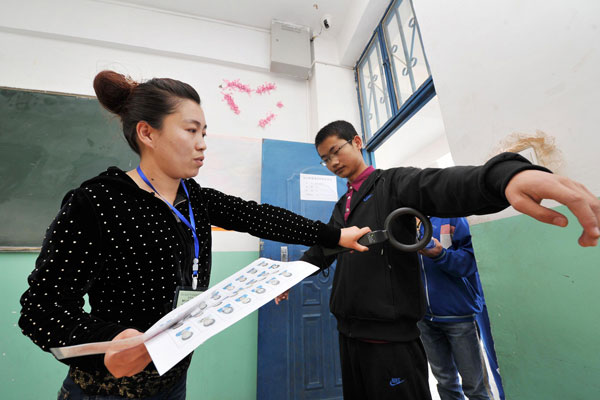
x,y
381,371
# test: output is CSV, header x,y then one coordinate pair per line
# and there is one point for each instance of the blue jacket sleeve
x,y
459,259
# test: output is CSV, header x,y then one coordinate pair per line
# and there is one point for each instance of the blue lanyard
x,y
190,224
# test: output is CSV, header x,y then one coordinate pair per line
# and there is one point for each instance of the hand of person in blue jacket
x,y
527,189
434,251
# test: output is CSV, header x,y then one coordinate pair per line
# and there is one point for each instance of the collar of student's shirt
x,y
364,189
355,186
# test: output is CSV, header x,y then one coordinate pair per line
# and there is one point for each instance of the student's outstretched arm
x,y
506,179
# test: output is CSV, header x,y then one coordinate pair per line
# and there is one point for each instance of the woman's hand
x,y
127,362
349,238
527,189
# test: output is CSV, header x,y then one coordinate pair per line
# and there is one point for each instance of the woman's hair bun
x,y
113,90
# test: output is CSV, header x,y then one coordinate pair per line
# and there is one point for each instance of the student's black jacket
x,y
378,294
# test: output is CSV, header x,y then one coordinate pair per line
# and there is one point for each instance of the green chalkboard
x,y
49,144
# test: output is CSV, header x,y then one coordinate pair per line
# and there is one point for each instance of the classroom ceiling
x,y
258,13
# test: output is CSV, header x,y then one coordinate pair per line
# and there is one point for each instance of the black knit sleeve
x,y
266,221
315,256
52,312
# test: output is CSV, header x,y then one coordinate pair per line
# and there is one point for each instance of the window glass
x,y
409,66
373,89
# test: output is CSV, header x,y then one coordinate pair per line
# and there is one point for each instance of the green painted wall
x,y
539,284
544,305
222,368
26,372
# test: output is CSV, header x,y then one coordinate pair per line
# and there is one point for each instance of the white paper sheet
x,y
318,187
179,332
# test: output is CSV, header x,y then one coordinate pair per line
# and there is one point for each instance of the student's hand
x,y
282,296
434,251
528,188
350,236
127,362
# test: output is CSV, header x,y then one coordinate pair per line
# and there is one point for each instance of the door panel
x,y
298,353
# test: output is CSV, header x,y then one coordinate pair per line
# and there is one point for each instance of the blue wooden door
x,y
298,352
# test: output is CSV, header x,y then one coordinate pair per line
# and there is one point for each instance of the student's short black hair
x,y
342,129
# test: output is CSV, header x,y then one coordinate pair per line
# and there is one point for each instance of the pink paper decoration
x,y
266,88
234,107
237,85
266,121
229,87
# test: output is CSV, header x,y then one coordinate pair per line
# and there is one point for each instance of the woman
x,y
128,239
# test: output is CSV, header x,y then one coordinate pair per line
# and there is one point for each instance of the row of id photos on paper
x,y
242,289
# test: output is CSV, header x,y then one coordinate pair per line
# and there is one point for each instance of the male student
x,y
377,296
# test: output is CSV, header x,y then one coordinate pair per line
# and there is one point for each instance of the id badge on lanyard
x,y
183,293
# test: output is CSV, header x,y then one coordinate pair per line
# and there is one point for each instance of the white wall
x,y
333,93
361,21
31,60
517,66
420,142
334,96
520,66
59,46
130,27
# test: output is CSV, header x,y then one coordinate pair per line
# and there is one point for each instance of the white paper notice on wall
x,y
318,187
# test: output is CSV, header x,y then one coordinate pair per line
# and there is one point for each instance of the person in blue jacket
x,y
454,296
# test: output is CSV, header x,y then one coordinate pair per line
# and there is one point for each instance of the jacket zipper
x,y
379,219
451,317
425,284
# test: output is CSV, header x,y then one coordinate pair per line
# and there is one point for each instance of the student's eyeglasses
x,y
325,160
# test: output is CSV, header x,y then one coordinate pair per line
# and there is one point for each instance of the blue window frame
x,y
392,75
